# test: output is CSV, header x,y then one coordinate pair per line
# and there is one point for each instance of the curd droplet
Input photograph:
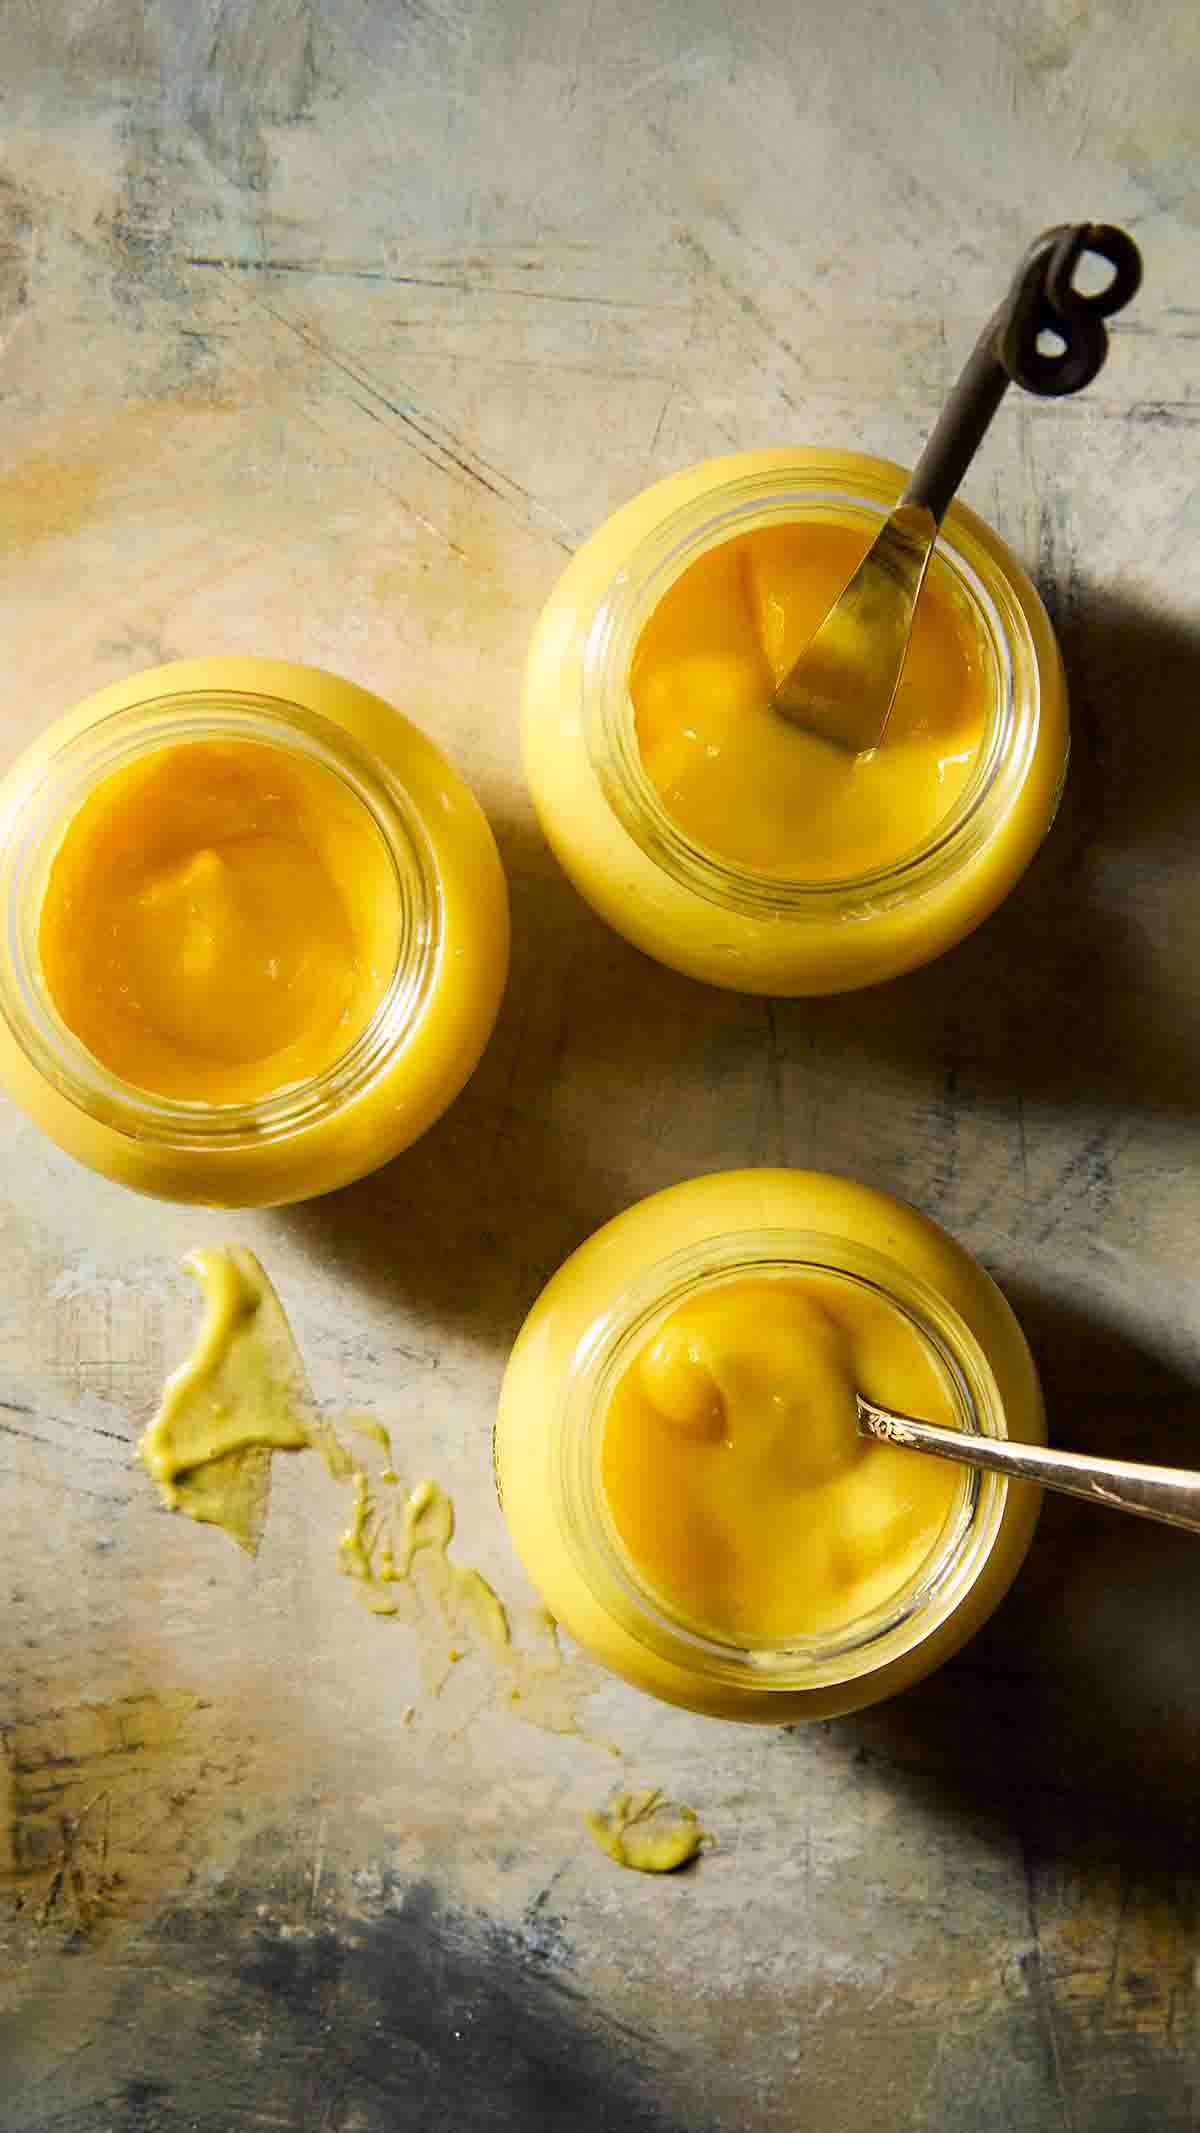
x,y
677,1380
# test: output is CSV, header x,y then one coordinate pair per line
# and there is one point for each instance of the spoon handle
x,y
960,428
1170,1494
1043,299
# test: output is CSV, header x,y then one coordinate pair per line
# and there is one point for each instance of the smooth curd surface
x,y
745,783
565,1555
331,934
835,942
734,1471
220,921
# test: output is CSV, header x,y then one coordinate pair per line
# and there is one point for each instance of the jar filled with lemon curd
x,y
678,1461
710,832
256,932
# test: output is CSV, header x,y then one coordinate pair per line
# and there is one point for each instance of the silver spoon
x,y
1170,1494
844,683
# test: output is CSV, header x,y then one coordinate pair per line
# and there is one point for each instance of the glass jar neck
x,y
722,513
37,814
618,1335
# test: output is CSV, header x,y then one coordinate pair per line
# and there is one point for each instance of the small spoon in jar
x,y
1170,1494
844,683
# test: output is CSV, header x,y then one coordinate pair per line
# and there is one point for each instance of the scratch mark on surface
x,y
71,1422
419,518
451,451
75,1488
317,270
1043,1989
749,310
1164,414
662,416
33,1436
1110,1993
1086,1176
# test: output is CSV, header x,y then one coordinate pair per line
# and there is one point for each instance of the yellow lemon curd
x,y
256,931
717,837
733,1467
677,1457
759,791
220,922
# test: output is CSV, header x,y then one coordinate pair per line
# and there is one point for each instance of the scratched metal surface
x,y
328,328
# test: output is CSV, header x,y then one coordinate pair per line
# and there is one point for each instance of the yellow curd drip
x,y
220,921
643,1831
368,1552
733,1468
739,779
241,1396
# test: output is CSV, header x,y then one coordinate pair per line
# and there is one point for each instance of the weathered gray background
x,y
327,329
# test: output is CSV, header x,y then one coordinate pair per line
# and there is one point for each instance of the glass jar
x,y
608,1300
440,1000
681,902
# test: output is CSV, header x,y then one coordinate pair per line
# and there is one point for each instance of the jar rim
x,y
37,811
606,1347
741,504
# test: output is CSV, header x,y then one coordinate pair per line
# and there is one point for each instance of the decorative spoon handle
x,y
843,685
1170,1494
1043,299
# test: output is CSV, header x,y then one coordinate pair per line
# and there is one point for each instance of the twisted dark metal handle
x,y
1043,299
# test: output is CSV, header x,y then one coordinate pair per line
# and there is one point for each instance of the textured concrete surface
x,y
327,330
